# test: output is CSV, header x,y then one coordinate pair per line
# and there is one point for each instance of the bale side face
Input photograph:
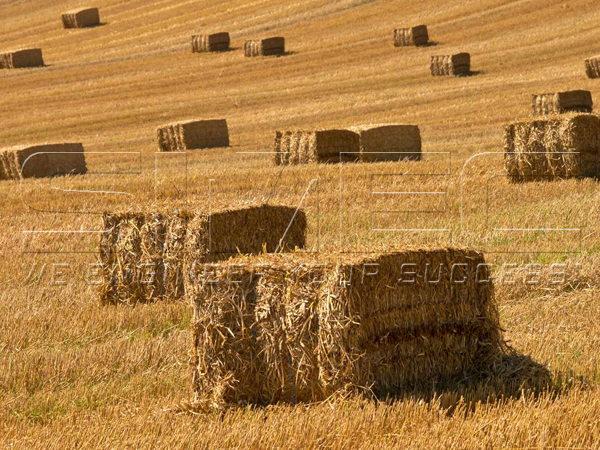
x,y
217,42
88,17
390,143
562,102
45,160
22,58
592,67
301,330
149,256
193,135
265,47
555,148
321,146
411,36
459,64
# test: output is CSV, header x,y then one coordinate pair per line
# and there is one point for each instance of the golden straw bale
x,y
194,134
561,102
559,147
411,36
17,59
44,160
459,64
296,328
592,67
390,142
319,146
217,42
81,18
265,47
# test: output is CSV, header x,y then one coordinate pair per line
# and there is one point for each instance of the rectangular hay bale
x,y
265,47
194,134
17,59
147,256
293,328
319,146
392,142
81,18
217,42
592,67
459,64
44,160
561,102
559,147
404,37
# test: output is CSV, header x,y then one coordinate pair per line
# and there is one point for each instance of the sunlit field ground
x,y
75,374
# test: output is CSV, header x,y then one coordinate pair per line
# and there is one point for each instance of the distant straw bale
x,y
319,146
292,328
559,147
389,142
404,37
193,135
44,160
592,67
17,59
459,64
217,42
265,47
148,255
81,18
561,102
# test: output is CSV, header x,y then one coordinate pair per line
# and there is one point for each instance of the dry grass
x,y
74,374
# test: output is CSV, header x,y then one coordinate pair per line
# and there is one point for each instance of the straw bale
x,y
217,42
319,146
147,256
559,147
44,160
31,57
81,18
193,135
561,102
265,47
459,64
411,36
291,328
391,142
592,67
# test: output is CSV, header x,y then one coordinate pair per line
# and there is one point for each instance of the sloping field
x,y
75,374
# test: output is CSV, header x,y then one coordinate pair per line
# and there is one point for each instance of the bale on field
x,y
389,142
459,64
217,42
44,160
31,57
561,102
147,256
291,328
319,146
411,36
81,18
193,135
592,67
555,148
265,47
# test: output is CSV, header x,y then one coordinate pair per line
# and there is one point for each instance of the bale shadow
x,y
429,44
471,73
97,25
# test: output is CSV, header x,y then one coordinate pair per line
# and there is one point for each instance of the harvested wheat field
x,y
22,58
216,42
404,37
192,135
82,18
77,372
44,160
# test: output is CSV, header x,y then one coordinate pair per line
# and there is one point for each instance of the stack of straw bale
x,y
392,142
404,37
17,59
193,135
320,146
459,64
291,328
45,160
561,102
148,255
217,42
559,147
592,67
265,47
81,18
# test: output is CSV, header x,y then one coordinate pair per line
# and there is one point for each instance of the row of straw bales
x,y
296,328
193,134
81,18
365,143
219,42
22,58
148,255
44,160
